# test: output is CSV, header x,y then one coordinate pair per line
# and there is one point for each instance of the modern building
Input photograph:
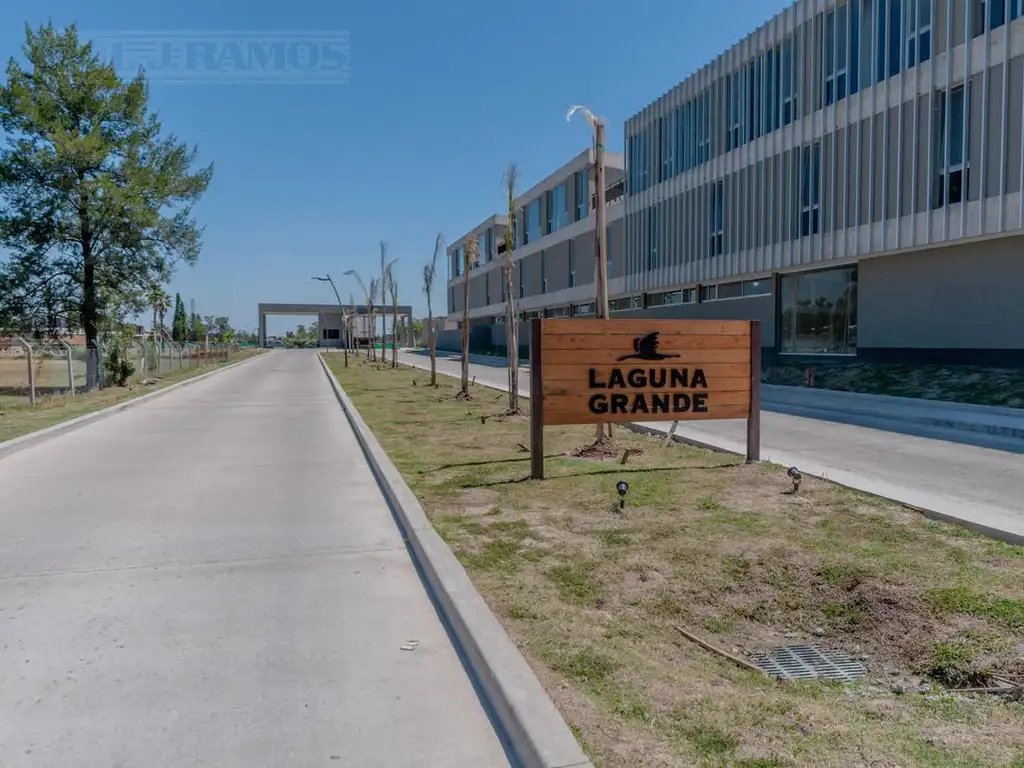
x,y
850,174
553,254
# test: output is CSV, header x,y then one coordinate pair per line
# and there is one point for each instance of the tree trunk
x,y
511,342
394,335
371,352
465,334
431,346
90,303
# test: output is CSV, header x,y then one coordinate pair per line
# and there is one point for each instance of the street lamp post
x,y
601,241
344,319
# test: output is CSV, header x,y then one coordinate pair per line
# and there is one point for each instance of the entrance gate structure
x,y
331,321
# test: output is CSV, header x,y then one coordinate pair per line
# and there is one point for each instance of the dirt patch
x,y
592,595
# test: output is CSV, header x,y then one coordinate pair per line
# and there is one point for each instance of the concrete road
x,y
977,485
213,578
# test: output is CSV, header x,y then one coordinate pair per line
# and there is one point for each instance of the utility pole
x,y
604,431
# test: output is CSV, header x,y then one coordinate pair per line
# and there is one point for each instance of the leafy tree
x,y
196,329
179,325
95,202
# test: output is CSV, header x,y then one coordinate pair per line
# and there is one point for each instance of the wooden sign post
x,y
601,371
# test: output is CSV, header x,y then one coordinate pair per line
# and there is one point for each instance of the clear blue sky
x,y
309,178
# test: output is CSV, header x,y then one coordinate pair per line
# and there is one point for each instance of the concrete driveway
x,y
213,578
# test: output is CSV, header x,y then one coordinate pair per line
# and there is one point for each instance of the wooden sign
x,y
603,371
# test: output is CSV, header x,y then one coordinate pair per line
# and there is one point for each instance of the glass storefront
x,y
818,313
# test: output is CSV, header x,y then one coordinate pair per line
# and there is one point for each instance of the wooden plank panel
x,y
738,384
576,416
663,377
622,350
689,358
580,399
580,327
668,343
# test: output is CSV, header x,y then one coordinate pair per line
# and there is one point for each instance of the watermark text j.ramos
x,y
228,57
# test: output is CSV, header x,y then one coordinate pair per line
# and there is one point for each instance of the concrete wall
x,y
962,302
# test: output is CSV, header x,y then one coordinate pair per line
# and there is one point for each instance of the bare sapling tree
x,y
371,308
511,325
369,291
393,290
471,253
351,319
429,271
385,269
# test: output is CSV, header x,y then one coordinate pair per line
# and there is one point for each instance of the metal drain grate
x,y
805,662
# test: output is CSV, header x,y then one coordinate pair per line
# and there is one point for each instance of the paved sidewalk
x,y
213,578
978,486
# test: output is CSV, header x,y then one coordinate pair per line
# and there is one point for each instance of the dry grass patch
x,y
17,418
592,595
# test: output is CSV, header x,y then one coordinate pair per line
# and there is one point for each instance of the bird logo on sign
x,y
646,348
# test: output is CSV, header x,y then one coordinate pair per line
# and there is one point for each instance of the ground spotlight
x,y
796,477
622,487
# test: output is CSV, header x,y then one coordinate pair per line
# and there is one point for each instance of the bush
x,y
117,366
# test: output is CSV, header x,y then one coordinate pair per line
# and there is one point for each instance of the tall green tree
x,y
179,325
95,200
197,329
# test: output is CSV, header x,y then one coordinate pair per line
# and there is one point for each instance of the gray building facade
x,y
554,249
851,175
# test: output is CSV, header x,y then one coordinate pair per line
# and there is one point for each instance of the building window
x,y
668,155
951,172
836,75
789,97
819,312
733,121
643,159
583,309
582,195
716,225
810,191
769,92
572,263
893,36
994,11
531,223
1016,9
543,273
708,292
757,287
608,247
652,238
481,246
730,290
487,290
919,32
704,127
521,290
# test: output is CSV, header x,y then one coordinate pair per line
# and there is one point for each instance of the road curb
x,y
17,444
527,721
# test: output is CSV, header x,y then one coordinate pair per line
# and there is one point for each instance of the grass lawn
x,y
18,418
592,596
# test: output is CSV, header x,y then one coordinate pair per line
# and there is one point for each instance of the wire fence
x,y
32,370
